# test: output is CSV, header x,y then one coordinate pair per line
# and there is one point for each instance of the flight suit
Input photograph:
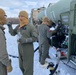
x,y
43,42
26,50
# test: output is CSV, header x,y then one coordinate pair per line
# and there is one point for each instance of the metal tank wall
x,y
40,15
53,12
72,33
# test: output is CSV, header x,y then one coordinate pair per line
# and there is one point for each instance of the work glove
x,y
23,40
9,23
9,68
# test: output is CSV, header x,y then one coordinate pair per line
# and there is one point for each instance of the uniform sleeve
x,y
12,31
3,52
49,34
38,29
34,34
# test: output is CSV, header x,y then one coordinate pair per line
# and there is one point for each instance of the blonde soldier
x,y
5,64
27,34
43,41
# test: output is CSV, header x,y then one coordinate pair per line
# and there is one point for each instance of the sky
x,y
13,7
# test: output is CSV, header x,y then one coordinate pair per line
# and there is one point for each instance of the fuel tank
x,y
53,11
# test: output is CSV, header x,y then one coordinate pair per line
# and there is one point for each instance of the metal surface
x,y
53,12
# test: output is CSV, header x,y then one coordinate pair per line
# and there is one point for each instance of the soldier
x,y
43,41
5,64
58,35
27,34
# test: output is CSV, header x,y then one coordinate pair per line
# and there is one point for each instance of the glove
x,y
9,68
23,40
9,23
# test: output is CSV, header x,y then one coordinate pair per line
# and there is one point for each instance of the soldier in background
x,y
58,35
43,41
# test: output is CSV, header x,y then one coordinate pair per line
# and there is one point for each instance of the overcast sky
x,y
12,7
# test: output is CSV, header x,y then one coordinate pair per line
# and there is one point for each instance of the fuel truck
x,y
64,10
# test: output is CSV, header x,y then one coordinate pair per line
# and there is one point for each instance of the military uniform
x,y
43,42
5,64
4,60
26,50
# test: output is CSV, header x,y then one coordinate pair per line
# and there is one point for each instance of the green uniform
x,y
43,35
4,60
28,34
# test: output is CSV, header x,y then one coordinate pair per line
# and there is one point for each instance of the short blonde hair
x,y
45,19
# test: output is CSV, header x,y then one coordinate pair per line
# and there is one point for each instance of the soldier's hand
x,y
9,68
23,40
9,23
